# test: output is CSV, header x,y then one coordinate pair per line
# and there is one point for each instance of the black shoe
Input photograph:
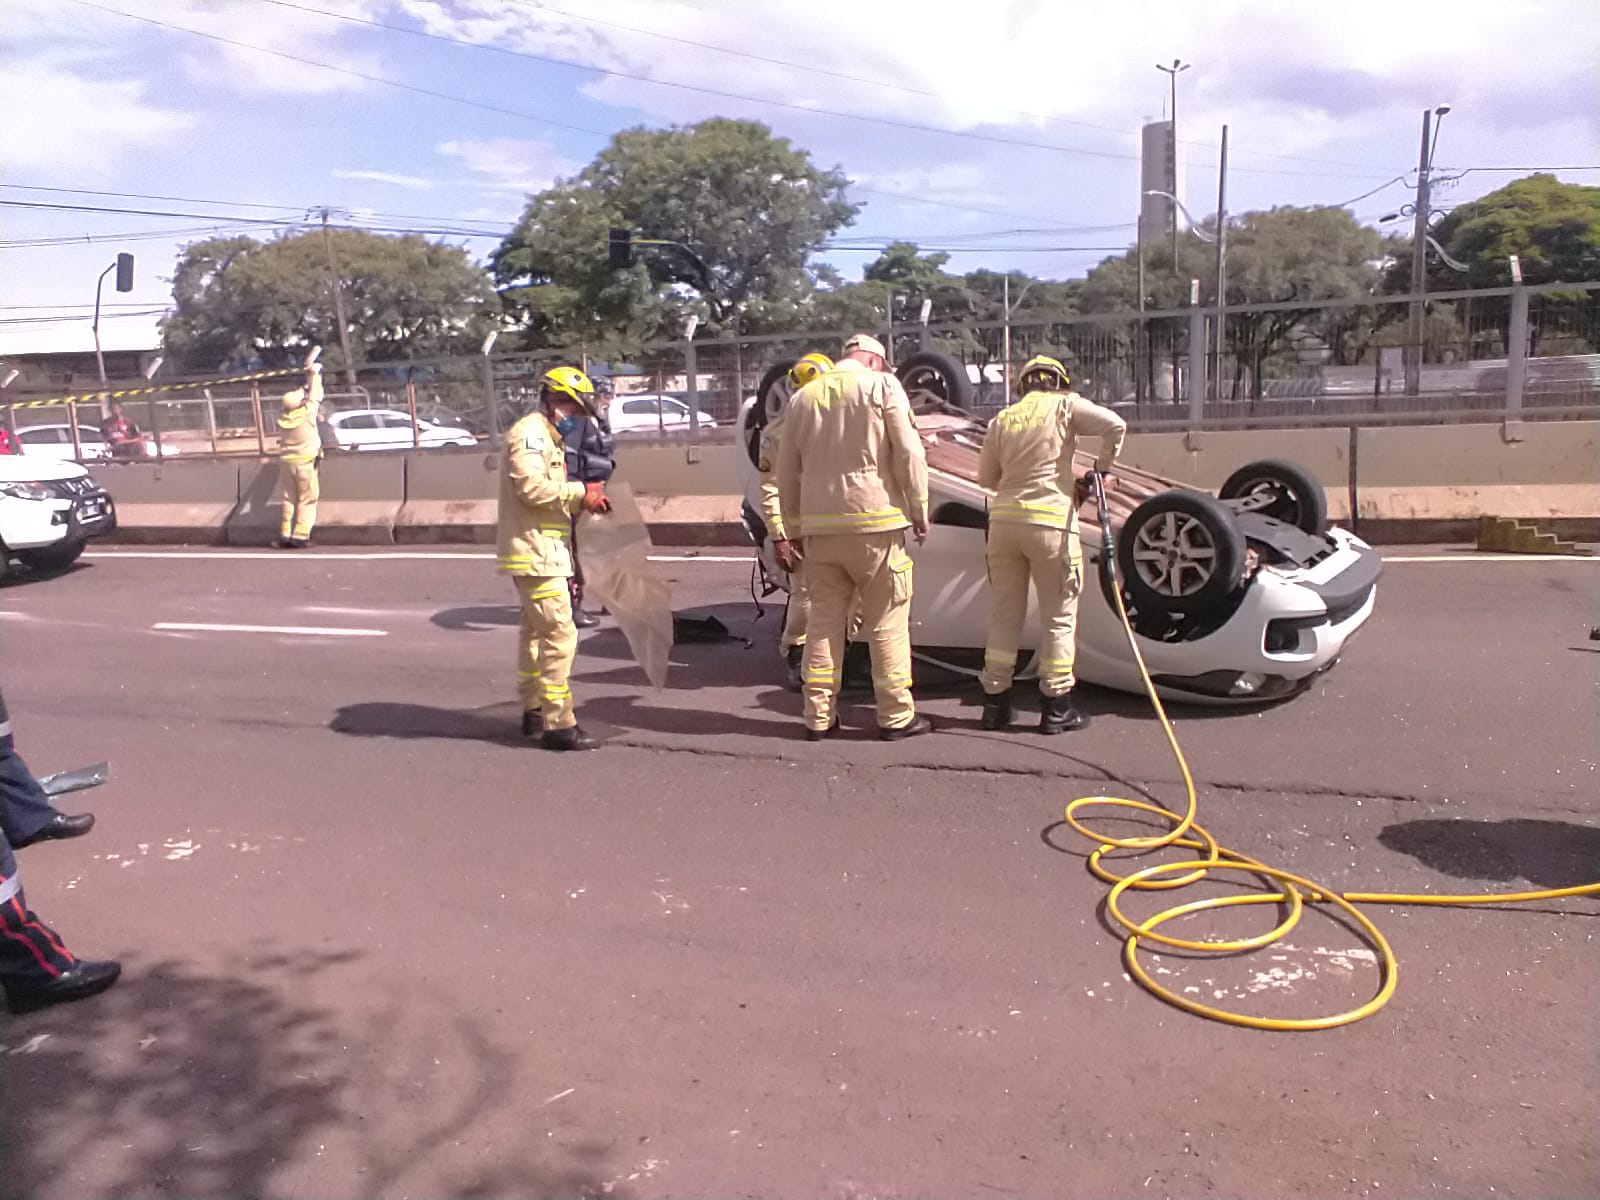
x,y
293,543
997,710
584,620
570,738
914,728
532,722
80,981
817,735
1058,714
794,661
59,826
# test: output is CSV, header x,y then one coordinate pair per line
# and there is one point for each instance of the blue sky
x,y
1033,108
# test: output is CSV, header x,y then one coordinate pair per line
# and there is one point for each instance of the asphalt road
x,y
374,946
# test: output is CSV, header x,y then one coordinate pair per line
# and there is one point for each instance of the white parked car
x,y
653,413
48,512
55,441
1239,596
390,429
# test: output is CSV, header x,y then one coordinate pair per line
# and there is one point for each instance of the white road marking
x,y
1438,558
305,630
379,555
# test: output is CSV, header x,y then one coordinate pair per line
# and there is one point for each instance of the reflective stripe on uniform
x,y
1000,656
10,887
5,729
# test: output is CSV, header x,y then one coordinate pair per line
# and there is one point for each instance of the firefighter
x,y
300,453
1033,534
852,477
535,526
792,643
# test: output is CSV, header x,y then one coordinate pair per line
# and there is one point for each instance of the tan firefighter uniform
x,y
795,615
1033,528
532,541
300,446
852,476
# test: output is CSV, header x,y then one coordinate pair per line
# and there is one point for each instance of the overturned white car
x,y
1236,597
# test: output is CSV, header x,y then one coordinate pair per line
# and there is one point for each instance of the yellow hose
x,y
1292,894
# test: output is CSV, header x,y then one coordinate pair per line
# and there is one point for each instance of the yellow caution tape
x,y
119,393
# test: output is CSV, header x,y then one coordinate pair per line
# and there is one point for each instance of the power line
x,y
689,87
813,69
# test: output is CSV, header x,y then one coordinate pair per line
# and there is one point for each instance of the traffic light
x,y
124,273
620,249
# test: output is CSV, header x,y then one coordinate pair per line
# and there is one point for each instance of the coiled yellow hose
x,y
1293,894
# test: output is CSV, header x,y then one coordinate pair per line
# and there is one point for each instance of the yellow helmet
x,y
808,368
571,383
1043,370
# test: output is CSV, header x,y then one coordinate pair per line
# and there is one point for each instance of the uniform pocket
x,y
900,575
1071,565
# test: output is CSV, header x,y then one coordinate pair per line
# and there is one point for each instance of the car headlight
x,y
25,491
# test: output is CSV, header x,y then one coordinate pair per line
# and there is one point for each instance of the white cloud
x,y
413,182
510,164
93,121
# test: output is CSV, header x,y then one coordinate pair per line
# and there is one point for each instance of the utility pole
x,y
1139,373
1172,73
337,284
1419,276
1222,263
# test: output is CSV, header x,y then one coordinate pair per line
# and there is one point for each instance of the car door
x,y
46,442
357,430
394,431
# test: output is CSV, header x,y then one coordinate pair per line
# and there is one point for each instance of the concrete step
x,y
1509,535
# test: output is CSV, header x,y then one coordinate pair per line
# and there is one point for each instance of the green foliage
x,y
238,301
751,206
1554,227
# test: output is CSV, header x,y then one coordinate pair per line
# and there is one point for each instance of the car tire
x,y
1180,553
48,560
931,378
1292,495
762,411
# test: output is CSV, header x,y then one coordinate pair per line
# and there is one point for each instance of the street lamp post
x,y
123,266
1419,276
1178,66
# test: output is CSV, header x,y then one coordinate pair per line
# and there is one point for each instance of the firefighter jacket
x,y
767,468
298,439
536,502
1027,455
849,458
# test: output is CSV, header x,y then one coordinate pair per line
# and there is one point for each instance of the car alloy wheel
x,y
1175,554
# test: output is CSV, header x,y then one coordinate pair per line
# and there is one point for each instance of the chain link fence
x,y
1288,363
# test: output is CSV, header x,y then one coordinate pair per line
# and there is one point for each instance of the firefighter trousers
x,y
876,568
30,951
300,492
548,643
1053,560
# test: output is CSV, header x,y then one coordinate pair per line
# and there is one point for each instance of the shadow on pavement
x,y
497,724
478,618
192,1085
182,1083
1549,854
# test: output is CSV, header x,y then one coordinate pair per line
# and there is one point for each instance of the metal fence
x,y
1503,353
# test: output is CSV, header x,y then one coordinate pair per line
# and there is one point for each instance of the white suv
x,y
48,512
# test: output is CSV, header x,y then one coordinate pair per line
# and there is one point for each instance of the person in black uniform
x,y
591,448
36,969
26,814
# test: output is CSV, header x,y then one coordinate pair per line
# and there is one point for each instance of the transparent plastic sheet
x,y
615,549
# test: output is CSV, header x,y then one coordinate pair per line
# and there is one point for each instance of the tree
x,y
238,301
748,204
1278,256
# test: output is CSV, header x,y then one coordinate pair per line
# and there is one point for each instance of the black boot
x,y
532,722
997,710
1058,714
580,618
571,738
794,659
78,982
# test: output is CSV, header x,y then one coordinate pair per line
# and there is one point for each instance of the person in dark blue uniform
x,y
591,449
36,968
26,814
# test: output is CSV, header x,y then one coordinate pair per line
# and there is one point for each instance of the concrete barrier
x,y
171,503
450,496
1215,455
361,494
1432,483
665,470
